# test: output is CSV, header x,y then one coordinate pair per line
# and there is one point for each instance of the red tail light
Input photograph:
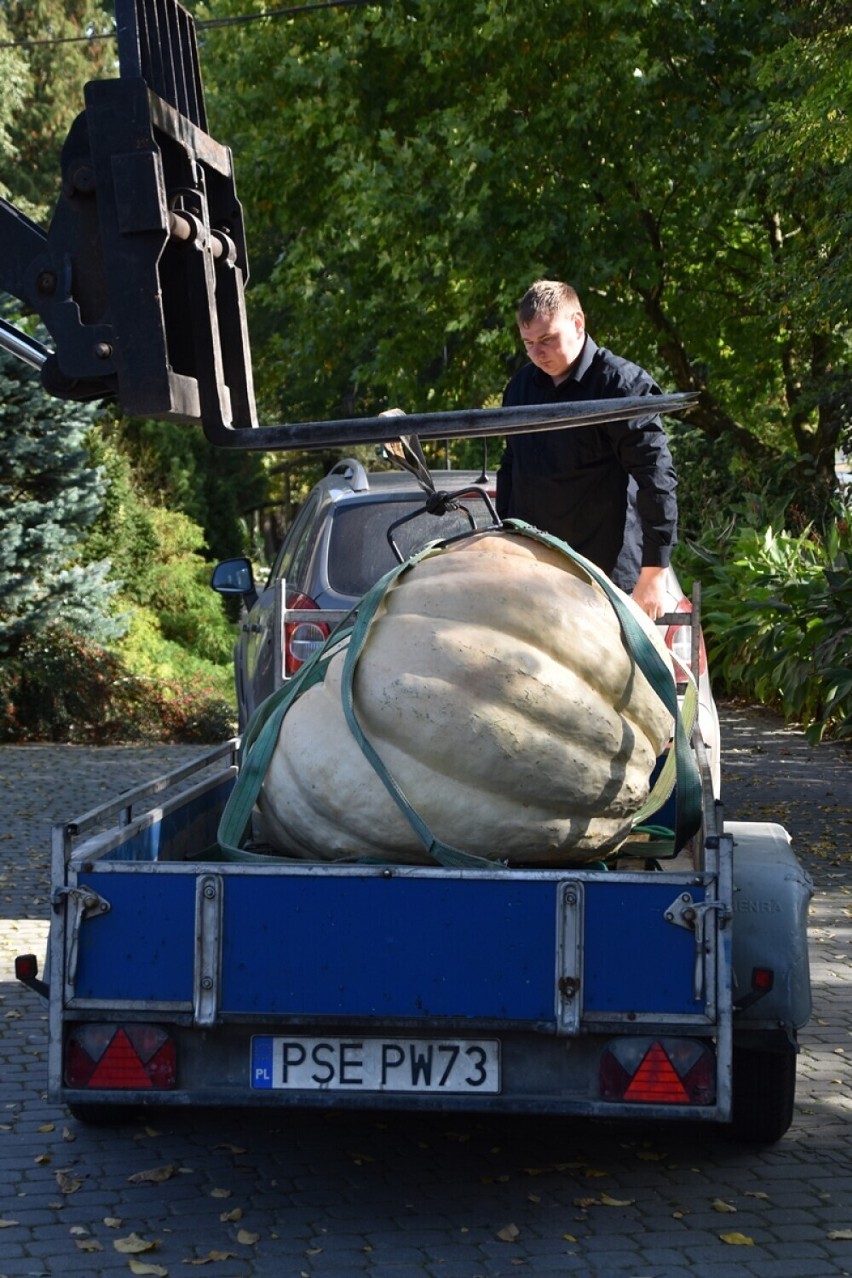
x,y
659,1071
129,1057
678,640
302,638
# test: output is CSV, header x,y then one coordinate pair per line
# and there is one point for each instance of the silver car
x,y
354,527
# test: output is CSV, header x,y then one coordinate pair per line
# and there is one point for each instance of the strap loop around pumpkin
x,y
261,734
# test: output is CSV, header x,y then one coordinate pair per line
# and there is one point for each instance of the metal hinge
x,y
692,915
80,904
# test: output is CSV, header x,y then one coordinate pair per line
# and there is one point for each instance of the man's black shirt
x,y
607,490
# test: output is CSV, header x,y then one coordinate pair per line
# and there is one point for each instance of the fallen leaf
x,y
212,1257
7,1224
591,1172
756,1193
113,1222
220,1193
47,1127
229,1217
134,1244
246,1238
232,1149
719,1204
67,1184
154,1271
616,1202
840,1235
737,1240
153,1175
67,1134
88,1244
42,1159
587,1202
509,1233
569,1238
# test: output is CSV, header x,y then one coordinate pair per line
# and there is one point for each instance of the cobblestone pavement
x,y
334,1195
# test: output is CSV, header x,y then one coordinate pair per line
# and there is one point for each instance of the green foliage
x,y
43,90
177,630
719,486
173,586
777,610
405,175
49,496
220,490
135,560
63,687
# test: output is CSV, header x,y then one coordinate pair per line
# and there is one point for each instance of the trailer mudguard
x,y
769,930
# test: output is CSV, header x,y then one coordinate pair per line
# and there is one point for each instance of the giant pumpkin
x,y
496,687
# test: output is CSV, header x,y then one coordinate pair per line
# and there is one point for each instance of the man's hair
x,y
545,298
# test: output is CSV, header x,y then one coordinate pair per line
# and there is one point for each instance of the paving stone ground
x,y
396,1196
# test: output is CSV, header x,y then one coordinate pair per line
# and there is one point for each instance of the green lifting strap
x,y
680,768
261,734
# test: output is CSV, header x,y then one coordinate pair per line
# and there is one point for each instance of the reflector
x,y
664,1071
656,1080
120,1066
26,967
129,1057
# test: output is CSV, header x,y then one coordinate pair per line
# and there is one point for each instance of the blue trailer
x,y
654,990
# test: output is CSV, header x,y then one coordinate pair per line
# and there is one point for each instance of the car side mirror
x,y
234,577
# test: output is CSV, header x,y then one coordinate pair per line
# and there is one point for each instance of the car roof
x,y
349,478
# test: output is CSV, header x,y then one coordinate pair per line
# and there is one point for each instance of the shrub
x,y
778,620
63,687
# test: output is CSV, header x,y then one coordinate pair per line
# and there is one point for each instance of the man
x,y
607,490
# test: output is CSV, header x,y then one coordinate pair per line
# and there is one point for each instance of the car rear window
x,y
359,552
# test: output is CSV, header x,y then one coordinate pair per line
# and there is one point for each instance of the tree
x,y
43,90
219,490
409,168
49,496
807,133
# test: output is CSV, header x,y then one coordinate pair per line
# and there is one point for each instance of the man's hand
x,y
649,592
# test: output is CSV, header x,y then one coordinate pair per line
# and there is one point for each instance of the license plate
x,y
376,1064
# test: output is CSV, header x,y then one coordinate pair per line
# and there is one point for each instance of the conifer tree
x,y
50,494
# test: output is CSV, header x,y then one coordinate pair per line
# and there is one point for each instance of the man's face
x,y
553,342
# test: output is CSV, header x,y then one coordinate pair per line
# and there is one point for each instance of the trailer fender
x,y
769,929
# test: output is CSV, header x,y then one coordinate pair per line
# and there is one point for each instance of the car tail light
x,y
658,1071
120,1057
678,640
302,638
